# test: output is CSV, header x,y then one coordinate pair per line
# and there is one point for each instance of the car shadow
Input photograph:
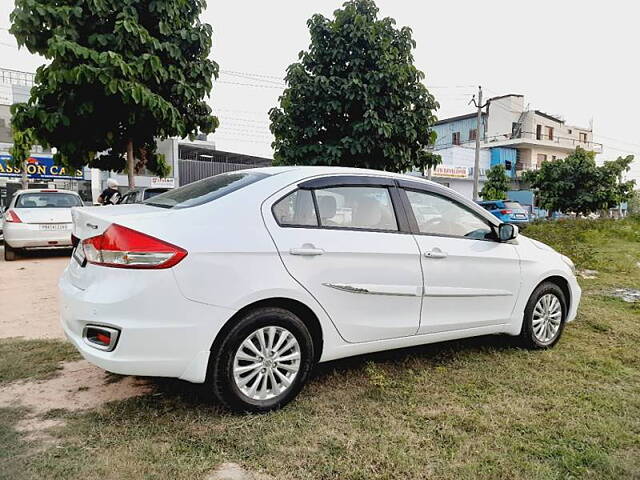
x,y
435,354
35,254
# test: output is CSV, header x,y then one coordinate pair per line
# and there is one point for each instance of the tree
x,y
121,73
634,204
355,98
497,184
577,184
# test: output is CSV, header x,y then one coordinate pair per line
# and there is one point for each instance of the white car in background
x,y
38,218
246,280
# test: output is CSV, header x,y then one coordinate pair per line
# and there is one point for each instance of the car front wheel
x,y
263,362
544,317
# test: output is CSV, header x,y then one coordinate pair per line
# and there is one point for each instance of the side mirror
x,y
507,231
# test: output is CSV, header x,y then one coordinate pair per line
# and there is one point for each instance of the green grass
x,y
474,409
33,359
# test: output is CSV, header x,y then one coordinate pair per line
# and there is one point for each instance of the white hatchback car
x,y
38,218
245,280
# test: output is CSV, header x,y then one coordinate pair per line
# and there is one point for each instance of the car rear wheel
x,y
10,253
544,317
263,362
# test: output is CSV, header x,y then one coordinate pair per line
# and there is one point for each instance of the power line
x,y
618,140
259,75
249,77
248,84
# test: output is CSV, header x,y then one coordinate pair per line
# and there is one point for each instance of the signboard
x,y
163,182
38,167
450,172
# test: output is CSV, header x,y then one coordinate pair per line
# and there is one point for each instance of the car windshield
x,y
48,200
205,190
152,192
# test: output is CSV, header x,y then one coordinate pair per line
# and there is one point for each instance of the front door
x,y
470,279
342,243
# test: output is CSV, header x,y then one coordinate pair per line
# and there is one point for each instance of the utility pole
x,y
476,165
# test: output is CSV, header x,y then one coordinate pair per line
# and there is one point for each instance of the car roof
x,y
45,190
309,171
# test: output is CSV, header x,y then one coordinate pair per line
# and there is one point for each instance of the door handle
x,y
307,250
435,253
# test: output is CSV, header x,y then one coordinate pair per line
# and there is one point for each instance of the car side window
x,y
296,209
368,208
438,215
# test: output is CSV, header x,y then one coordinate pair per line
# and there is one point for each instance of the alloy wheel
x,y
266,363
547,316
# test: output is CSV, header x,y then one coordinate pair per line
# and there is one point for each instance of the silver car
x,y
39,218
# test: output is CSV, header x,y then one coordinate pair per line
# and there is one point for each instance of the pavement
x,y
29,294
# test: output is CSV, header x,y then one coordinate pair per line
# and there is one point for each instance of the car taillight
x,y
505,212
123,247
12,217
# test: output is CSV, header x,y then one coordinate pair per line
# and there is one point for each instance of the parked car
x,y
246,280
141,194
38,218
506,211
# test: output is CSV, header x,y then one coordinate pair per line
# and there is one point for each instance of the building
x,y
188,160
511,134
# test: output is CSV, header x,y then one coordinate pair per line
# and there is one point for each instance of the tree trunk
x,y
24,176
130,165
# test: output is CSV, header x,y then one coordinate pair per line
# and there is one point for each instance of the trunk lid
x,y
92,221
44,215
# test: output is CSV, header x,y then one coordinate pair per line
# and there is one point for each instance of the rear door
x,y
346,241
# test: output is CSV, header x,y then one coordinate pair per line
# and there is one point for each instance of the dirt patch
x,y
78,386
233,471
588,274
629,295
29,295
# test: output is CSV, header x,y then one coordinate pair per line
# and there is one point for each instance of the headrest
x,y
327,206
368,213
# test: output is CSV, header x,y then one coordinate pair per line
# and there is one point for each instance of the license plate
x,y
78,255
520,215
54,226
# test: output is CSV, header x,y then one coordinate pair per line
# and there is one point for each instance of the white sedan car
x,y
39,218
245,280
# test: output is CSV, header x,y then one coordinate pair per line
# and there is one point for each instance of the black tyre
x,y
544,317
10,253
263,362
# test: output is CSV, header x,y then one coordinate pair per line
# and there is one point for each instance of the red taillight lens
x,y
12,217
505,212
123,247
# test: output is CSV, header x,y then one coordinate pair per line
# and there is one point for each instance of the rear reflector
x,y
123,247
102,338
12,217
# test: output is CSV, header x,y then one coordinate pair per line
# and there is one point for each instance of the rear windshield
x,y
48,200
205,190
512,205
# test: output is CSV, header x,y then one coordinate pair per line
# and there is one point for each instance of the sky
x,y
577,59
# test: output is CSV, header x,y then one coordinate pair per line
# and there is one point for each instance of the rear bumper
x,y
162,334
29,235
517,221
